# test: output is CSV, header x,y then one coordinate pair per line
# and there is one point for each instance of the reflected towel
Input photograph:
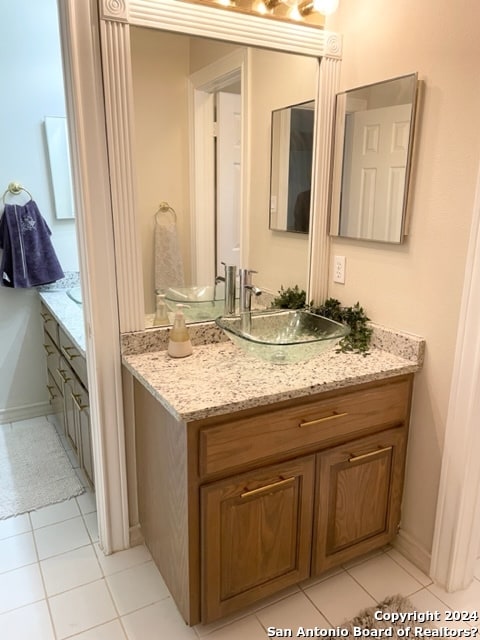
x,y
28,258
168,259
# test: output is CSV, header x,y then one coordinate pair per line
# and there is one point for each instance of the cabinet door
x,y
358,496
255,535
84,432
71,423
56,402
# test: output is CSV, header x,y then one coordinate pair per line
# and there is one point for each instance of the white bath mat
x,y
34,468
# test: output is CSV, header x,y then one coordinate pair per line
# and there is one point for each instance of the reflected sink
x,y
75,294
202,303
282,336
194,294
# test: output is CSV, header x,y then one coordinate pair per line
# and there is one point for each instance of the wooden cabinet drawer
x,y
315,423
73,355
50,325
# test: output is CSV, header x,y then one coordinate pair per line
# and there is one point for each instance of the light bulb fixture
x,y
325,7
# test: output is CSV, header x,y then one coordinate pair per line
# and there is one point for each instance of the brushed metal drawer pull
x,y
46,317
325,419
267,487
77,398
47,348
69,355
362,456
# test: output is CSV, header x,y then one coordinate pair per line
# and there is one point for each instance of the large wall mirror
x,y
372,158
168,66
205,150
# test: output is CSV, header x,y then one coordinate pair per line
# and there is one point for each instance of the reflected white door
x,y
376,144
228,179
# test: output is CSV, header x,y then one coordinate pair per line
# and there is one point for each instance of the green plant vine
x,y
359,338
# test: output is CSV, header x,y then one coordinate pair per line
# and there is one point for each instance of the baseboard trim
x,y
413,551
136,536
25,412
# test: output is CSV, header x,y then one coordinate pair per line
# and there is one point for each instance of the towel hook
x,y
164,207
15,188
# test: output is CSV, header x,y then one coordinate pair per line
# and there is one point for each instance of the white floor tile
x,y
91,522
54,513
382,577
241,630
20,587
122,560
28,623
137,587
17,551
61,537
292,613
81,609
13,526
425,601
87,502
409,567
70,570
158,621
466,600
339,598
110,631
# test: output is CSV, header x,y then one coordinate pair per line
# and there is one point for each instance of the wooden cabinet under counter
x,y
237,507
67,385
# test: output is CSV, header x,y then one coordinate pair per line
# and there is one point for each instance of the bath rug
x,y
386,616
34,468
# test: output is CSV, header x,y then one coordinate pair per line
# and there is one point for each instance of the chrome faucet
x,y
246,290
229,279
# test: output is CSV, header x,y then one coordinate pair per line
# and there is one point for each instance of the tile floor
x,y
55,583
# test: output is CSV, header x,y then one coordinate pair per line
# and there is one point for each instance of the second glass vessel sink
x,y
282,336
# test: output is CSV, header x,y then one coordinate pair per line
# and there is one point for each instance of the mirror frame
x,y
280,173
339,146
193,19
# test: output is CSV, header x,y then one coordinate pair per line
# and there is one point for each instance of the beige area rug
x,y
394,617
34,469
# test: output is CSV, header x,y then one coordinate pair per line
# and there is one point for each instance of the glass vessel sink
x,y
282,336
75,294
201,303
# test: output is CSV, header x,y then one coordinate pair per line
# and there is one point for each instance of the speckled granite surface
x,y
218,378
68,313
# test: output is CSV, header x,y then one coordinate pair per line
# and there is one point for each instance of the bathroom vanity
x,y
66,365
253,477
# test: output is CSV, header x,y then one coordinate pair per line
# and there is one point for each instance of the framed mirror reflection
x,y
291,167
373,148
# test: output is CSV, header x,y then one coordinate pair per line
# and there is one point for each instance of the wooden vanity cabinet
x,y
270,496
68,390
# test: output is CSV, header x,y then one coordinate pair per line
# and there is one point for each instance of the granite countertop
x,y
68,313
218,378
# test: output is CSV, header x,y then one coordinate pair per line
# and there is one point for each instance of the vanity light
x,y
325,7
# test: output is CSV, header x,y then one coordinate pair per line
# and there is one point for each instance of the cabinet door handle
x,y
51,391
370,454
77,398
334,415
63,375
48,349
69,355
267,487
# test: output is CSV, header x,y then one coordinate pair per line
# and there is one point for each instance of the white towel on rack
x,y
168,258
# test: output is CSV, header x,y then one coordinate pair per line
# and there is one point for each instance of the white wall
x,y
417,286
32,87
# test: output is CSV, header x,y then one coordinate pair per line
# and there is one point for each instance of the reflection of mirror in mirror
x,y
60,172
372,158
291,167
174,89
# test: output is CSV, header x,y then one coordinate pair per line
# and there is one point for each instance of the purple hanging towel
x,y
28,258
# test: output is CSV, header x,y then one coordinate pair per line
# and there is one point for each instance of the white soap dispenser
x,y
179,344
